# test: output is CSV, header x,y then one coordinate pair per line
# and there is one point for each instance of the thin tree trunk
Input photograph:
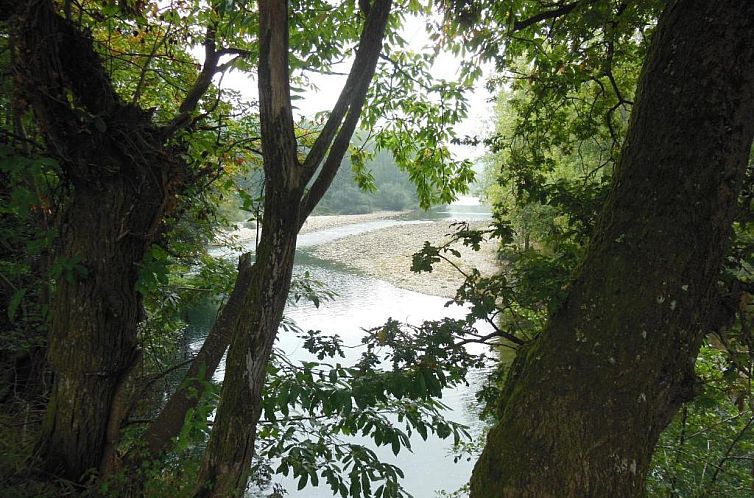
x,y
228,456
227,461
169,422
585,403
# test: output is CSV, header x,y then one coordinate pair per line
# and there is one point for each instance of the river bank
x,y
386,254
314,224
378,247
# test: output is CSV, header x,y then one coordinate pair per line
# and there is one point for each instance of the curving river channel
x,y
365,302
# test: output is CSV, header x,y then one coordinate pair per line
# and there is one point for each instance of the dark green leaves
x,y
311,410
154,270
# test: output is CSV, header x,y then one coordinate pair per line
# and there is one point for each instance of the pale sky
x,y
446,67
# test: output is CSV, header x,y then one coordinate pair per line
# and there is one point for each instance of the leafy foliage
x,y
568,86
707,449
28,193
317,414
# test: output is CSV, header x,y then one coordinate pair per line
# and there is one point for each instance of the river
x,y
365,302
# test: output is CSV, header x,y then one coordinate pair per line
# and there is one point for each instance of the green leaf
x,y
302,481
395,446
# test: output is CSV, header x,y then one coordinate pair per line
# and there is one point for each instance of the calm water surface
x,y
365,302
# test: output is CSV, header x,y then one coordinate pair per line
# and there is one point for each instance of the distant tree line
x,y
388,189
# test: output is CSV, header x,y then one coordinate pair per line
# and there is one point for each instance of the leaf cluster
x,y
315,412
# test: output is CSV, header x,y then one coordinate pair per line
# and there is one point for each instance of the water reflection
x,y
364,302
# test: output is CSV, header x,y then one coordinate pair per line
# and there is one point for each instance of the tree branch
x,y
234,51
335,136
170,420
492,335
728,450
275,110
202,83
543,16
346,98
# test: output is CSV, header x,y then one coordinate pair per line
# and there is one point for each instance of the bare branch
x,y
492,335
145,67
202,83
728,450
234,51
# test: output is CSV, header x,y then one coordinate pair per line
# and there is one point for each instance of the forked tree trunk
x,y
227,460
585,403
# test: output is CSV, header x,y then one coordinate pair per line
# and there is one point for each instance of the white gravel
x,y
386,254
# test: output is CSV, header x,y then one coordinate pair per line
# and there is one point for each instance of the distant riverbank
x,y
317,223
386,254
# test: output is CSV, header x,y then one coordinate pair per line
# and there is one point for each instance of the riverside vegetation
x,y
619,169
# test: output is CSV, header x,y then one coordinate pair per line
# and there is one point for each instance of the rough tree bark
x,y
585,403
228,456
123,180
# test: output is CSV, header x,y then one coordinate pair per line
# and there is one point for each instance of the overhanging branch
x,y
336,136
546,15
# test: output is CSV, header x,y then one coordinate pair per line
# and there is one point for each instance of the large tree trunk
x,y
96,310
585,403
122,181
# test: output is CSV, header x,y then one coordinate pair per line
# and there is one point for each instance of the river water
x,y
366,302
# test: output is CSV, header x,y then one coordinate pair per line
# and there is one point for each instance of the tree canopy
x,y
618,168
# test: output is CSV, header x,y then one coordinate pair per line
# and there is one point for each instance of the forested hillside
x,y
389,189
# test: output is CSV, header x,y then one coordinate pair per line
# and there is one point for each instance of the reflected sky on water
x,y
364,302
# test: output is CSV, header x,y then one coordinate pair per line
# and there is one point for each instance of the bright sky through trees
x,y
327,88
